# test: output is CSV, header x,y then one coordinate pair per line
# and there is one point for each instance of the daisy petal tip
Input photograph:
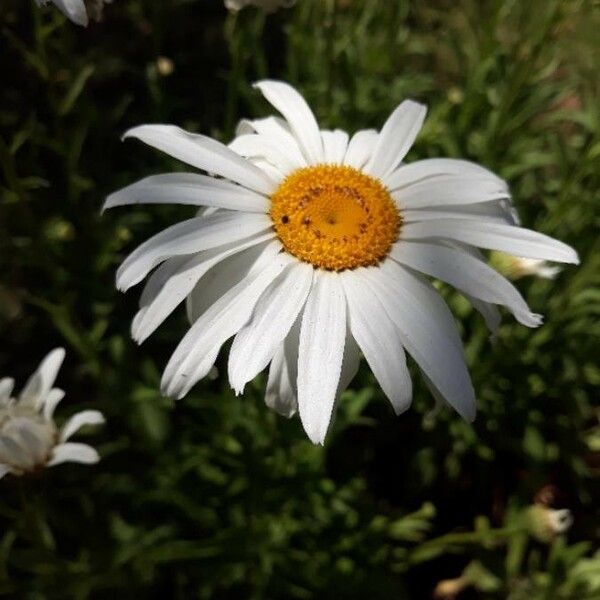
x,y
530,319
135,132
537,320
315,434
110,202
416,105
238,389
402,407
94,456
137,338
571,256
467,412
258,85
166,389
58,354
128,134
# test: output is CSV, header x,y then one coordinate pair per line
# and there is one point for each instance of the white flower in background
x,y
515,267
312,250
546,523
29,438
559,521
78,10
267,5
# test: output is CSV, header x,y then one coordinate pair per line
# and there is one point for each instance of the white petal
x,y
484,211
350,362
220,279
280,394
34,439
74,10
278,131
7,385
77,421
41,382
188,188
432,168
335,144
378,339
13,453
199,348
427,332
4,469
439,400
54,396
397,136
203,153
274,314
181,283
298,114
360,148
272,171
282,389
489,312
466,273
206,211
493,236
187,237
71,452
321,350
448,190
254,145
158,279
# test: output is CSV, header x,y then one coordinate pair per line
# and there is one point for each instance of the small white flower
x,y
78,10
267,5
546,523
515,267
312,250
559,521
29,438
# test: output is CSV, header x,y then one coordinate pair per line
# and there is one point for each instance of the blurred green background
x,y
216,496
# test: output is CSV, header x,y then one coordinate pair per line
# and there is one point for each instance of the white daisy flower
x,y
267,5
29,438
312,250
77,10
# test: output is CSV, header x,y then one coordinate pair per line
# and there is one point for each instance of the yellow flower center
x,y
335,217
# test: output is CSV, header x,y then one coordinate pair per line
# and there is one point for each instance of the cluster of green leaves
x,y
215,496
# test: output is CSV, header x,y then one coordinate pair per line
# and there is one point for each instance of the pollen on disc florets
x,y
335,217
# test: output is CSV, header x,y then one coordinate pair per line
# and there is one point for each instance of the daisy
x,y
267,5
313,249
29,438
77,10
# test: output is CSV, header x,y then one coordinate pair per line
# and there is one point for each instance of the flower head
x,y
545,523
267,5
78,11
29,438
312,250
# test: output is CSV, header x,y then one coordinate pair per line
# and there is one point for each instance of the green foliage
x,y
215,496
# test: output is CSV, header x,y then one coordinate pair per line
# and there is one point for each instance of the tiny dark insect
x,y
285,219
